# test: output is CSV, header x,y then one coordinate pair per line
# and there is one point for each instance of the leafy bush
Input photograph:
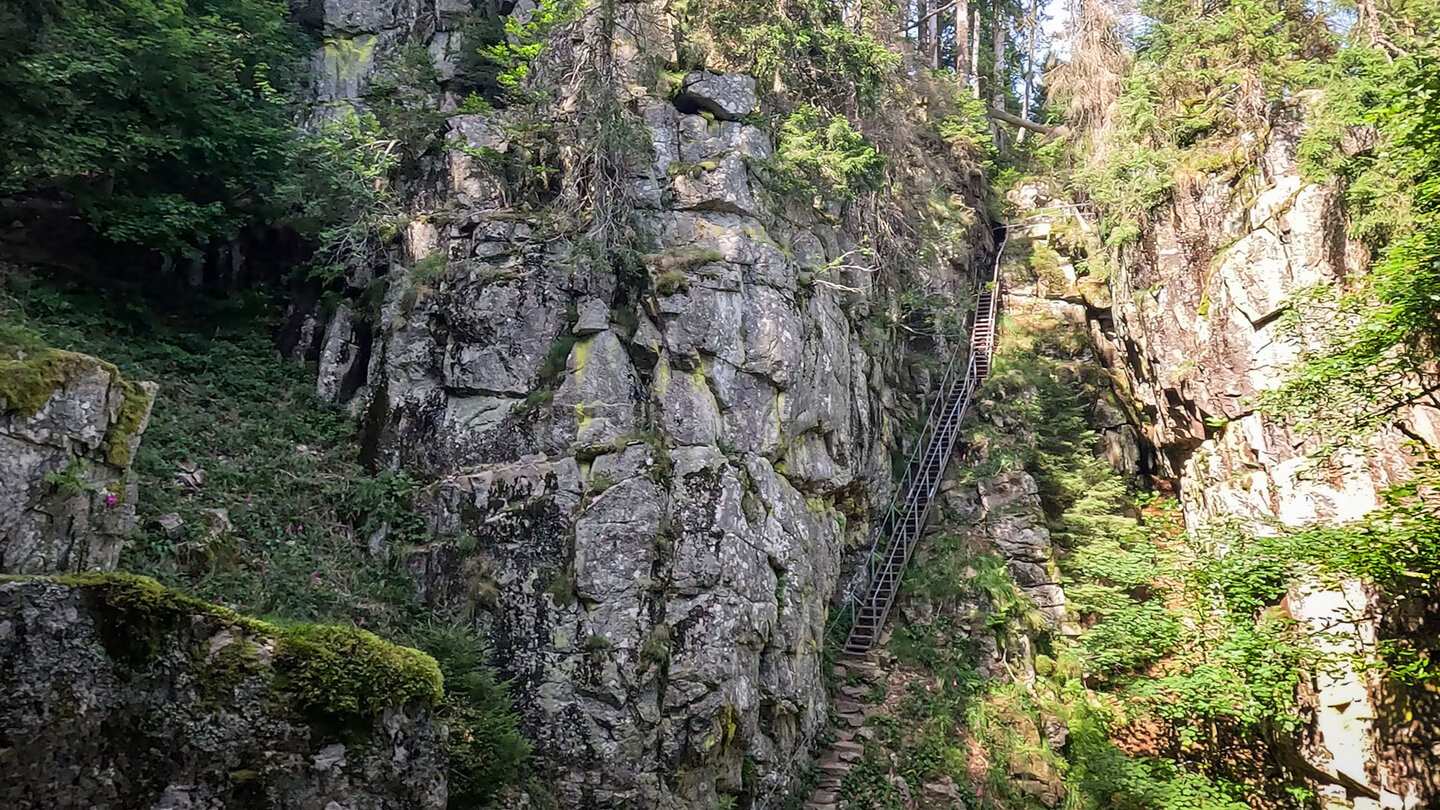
x,y
162,121
486,751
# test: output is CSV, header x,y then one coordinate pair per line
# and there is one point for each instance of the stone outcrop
x,y
1201,338
69,428
117,693
1195,336
646,467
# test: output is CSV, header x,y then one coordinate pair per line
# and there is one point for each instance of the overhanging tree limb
x,y
1015,120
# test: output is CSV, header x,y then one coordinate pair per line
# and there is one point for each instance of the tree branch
x,y
937,12
1024,123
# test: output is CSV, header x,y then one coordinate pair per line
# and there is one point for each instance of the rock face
x,y
646,467
1195,347
69,427
115,693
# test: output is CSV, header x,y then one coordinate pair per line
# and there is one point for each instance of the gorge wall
x,y
647,467
1203,323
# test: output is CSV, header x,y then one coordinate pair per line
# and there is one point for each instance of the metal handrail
x,y
903,521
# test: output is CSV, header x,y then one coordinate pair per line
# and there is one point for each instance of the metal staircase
x,y
897,535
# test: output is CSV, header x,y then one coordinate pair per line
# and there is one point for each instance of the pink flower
x,y
111,499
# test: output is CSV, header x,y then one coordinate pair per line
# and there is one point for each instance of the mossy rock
x,y
341,675
30,374
348,675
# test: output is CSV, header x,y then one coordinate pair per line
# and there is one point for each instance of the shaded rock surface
x,y
106,704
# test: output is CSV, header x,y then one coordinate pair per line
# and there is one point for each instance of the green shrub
x,y
825,155
486,750
163,122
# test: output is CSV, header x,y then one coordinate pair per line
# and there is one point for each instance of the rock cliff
x,y
1196,335
649,454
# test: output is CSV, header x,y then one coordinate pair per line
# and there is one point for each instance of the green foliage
x,y
343,198
508,58
285,465
404,97
162,121
1213,74
825,156
1378,354
486,750
807,45
656,649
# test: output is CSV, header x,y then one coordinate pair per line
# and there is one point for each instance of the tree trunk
x,y
962,42
921,9
975,53
934,27
1032,26
998,114
997,86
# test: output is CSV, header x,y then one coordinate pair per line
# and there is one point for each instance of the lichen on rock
x,y
69,427
120,692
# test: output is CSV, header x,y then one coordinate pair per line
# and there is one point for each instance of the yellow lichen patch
x,y
580,354
662,378
348,59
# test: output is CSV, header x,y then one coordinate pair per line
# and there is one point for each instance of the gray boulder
x,y
727,96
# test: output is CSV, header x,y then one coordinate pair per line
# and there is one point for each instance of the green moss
x,y
340,674
135,615
562,588
346,674
31,373
216,680
29,377
669,282
132,415
656,649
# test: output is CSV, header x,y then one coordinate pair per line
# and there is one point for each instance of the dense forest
x,y
570,352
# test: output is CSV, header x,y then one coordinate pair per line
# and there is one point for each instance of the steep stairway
x,y
904,523
861,680
863,671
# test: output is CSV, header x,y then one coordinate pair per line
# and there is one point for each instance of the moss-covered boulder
x,y
117,692
69,428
